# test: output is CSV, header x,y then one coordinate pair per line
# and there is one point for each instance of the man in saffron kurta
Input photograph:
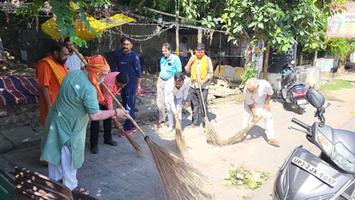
x,y
50,72
77,102
201,70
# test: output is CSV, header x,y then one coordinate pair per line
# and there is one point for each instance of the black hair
x,y
67,39
56,46
200,46
122,78
167,46
125,39
179,76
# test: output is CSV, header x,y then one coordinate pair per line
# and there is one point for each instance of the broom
x,y
180,142
135,145
240,134
179,179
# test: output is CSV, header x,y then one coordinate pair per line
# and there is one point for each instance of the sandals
x,y
81,190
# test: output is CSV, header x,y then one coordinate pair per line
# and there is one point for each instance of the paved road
x,y
117,173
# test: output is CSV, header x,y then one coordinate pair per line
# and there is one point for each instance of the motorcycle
x,y
329,176
292,93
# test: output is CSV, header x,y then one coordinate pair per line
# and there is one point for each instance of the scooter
x,y
292,93
331,175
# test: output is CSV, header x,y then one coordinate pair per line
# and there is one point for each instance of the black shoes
x,y
94,150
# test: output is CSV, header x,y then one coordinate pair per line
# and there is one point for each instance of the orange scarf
x,y
95,65
58,73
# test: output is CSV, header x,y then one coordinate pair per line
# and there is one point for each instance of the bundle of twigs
x,y
179,179
211,133
240,134
135,145
180,141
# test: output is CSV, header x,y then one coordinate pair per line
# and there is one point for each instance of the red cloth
x,y
110,81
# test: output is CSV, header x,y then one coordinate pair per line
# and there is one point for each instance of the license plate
x,y
301,101
318,173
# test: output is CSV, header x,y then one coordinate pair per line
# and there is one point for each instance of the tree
x,y
66,12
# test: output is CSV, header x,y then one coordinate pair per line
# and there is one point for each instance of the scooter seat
x,y
346,137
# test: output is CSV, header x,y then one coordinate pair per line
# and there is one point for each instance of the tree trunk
x,y
199,35
266,63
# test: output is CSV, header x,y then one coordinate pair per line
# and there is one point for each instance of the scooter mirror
x,y
315,98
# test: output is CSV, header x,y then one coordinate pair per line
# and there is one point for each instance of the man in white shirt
x,y
257,96
73,61
176,92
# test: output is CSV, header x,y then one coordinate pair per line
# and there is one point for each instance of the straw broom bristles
x,y
211,133
180,181
135,144
180,141
240,134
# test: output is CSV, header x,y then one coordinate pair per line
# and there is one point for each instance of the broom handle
x,y
122,107
113,96
202,99
79,55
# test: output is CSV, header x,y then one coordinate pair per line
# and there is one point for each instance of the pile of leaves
x,y
244,178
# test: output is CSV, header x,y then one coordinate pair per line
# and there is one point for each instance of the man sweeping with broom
x,y
176,92
201,70
257,96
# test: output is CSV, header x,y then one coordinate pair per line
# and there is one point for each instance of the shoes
x,y
273,142
94,150
111,142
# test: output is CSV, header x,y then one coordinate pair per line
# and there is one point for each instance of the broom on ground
x,y
211,133
180,180
180,141
135,145
240,134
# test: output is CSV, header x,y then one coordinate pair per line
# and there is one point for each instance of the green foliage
x,y
339,48
249,72
65,14
336,85
244,178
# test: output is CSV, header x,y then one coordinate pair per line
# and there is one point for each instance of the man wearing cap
x,y
257,96
201,70
170,65
77,102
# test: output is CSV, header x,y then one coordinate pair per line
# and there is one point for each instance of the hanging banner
x,y
343,25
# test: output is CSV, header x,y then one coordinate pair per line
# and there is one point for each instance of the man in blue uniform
x,y
127,62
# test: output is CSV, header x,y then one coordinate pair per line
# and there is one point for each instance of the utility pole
x,y
177,26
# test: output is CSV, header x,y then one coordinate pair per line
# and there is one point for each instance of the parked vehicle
x,y
292,93
331,175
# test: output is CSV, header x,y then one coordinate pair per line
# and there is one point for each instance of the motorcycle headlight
x,y
325,144
343,157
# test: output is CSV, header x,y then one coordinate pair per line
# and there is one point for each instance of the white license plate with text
x,y
320,174
301,101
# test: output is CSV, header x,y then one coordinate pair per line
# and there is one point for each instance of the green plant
x,y
336,85
249,72
244,178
